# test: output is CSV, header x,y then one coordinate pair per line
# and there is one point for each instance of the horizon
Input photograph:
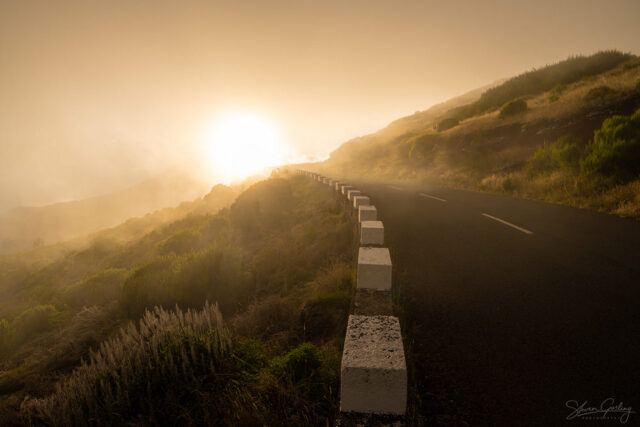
x,y
99,98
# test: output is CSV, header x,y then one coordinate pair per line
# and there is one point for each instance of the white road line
x,y
524,230
432,197
394,187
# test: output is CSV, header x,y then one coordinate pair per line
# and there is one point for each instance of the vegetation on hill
x,y
24,228
513,107
535,82
563,133
277,263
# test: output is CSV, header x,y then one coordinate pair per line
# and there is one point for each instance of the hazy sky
x,y
97,95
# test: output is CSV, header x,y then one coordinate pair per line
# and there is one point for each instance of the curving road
x,y
512,307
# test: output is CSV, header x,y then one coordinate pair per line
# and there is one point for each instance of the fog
x,y
98,96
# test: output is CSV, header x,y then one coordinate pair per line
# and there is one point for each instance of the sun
x,y
243,143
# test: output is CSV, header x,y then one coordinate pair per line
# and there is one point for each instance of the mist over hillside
x,y
27,227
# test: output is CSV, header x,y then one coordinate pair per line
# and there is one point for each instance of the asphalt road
x,y
513,308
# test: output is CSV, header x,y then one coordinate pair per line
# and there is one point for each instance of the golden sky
x,y
97,95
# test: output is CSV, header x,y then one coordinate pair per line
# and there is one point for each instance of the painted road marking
x,y
432,197
524,230
394,187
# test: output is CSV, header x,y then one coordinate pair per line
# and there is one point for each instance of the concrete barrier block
x,y
373,372
353,193
360,201
337,185
330,182
371,233
374,268
346,188
367,213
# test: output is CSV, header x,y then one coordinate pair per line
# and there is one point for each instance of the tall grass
x,y
141,373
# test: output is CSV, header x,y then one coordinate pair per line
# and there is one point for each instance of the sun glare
x,y
241,144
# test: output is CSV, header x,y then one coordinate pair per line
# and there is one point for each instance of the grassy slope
x,y
277,262
488,153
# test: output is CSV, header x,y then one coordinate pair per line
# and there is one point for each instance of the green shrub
x,y
600,94
148,286
98,289
615,151
326,315
513,107
188,280
555,93
35,320
565,153
180,242
508,185
540,163
631,65
447,123
299,364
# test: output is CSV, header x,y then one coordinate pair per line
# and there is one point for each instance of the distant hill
x,y
25,227
542,134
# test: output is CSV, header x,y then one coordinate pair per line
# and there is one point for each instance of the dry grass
x,y
130,374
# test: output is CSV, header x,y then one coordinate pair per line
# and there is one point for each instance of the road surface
x,y
513,309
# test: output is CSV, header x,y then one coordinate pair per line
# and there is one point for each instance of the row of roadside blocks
x,y
373,374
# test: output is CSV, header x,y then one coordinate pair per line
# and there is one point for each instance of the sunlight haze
x,y
98,96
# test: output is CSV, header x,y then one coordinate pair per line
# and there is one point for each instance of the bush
x,y
189,280
180,242
631,65
35,320
600,94
615,151
299,364
148,286
99,289
326,315
447,123
508,185
511,108
565,153
555,93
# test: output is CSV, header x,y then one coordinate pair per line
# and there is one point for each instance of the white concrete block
x,y
371,233
353,193
346,188
373,372
337,185
367,213
330,182
360,201
374,268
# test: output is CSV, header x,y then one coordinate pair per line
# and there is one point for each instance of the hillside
x,y
27,227
263,289
489,145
